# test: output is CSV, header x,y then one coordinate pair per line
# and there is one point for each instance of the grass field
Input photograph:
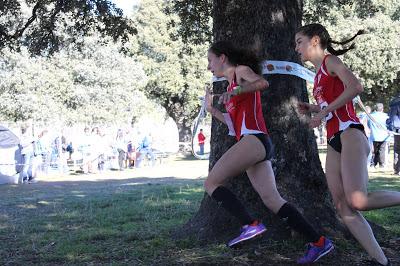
x,y
125,218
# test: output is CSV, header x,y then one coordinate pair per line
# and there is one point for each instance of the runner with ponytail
x,y
253,151
335,86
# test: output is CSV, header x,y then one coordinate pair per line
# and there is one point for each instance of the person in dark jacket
x,y
393,124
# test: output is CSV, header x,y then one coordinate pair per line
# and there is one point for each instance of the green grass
x,y
100,225
129,221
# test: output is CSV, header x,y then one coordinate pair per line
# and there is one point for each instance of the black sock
x,y
297,221
230,203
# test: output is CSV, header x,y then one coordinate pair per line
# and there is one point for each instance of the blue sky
x,y
126,5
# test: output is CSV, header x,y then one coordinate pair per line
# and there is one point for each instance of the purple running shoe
x,y
314,253
248,231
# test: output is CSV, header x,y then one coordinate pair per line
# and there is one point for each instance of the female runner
x,y
346,162
253,151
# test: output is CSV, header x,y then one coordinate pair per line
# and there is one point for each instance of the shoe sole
x,y
247,238
325,253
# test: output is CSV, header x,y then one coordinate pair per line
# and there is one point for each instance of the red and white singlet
x,y
245,111
326,89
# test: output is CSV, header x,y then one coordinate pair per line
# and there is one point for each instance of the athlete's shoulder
x,y
332,59
246,73
333,64
242,69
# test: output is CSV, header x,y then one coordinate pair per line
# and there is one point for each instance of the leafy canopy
x,y
40,25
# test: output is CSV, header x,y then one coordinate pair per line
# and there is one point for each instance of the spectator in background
x,y
63,165
70,150
201,138
95,149
102,146
55,151
145,150
394,125
364,121
27,152
121,145
131,154
86,148
379,135
41,152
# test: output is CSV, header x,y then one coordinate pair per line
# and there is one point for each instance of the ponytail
x,y
342,51
316,29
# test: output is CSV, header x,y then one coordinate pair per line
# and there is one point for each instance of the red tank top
x,y
326,89
245,110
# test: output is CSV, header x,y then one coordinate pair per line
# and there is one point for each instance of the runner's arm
x,y
212,110
352,86
217,114
250,81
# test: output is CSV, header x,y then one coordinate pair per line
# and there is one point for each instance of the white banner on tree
x,y
287,68
282,67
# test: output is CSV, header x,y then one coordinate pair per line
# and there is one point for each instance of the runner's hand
x,y
305,108
316,120
225,97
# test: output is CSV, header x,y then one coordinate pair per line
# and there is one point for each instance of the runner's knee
x,y
357,200
210,185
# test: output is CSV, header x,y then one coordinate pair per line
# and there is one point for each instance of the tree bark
x,y
269,27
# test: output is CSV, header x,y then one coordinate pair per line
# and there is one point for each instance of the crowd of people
x,y
90,151
382,130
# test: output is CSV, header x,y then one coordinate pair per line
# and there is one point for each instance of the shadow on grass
x,y
108,221
191,157
379,183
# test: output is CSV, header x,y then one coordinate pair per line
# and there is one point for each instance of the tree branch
x,y
19,33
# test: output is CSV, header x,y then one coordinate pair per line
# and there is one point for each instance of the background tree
x,y
176,69
61,62
93,84
269,28
195,20
35,23
376,58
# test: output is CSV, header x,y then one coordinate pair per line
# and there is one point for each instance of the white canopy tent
x,y
8,146
7,138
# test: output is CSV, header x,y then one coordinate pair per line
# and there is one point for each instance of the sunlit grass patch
x,y
109,225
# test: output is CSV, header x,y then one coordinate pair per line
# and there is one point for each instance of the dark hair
x,y
237,56
316,29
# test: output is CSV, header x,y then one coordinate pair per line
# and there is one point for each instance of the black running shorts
x,y
269,147
335,141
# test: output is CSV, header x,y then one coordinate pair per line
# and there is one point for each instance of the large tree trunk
x,y
270,27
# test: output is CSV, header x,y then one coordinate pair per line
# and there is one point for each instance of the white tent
x,y
8,147
7,138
